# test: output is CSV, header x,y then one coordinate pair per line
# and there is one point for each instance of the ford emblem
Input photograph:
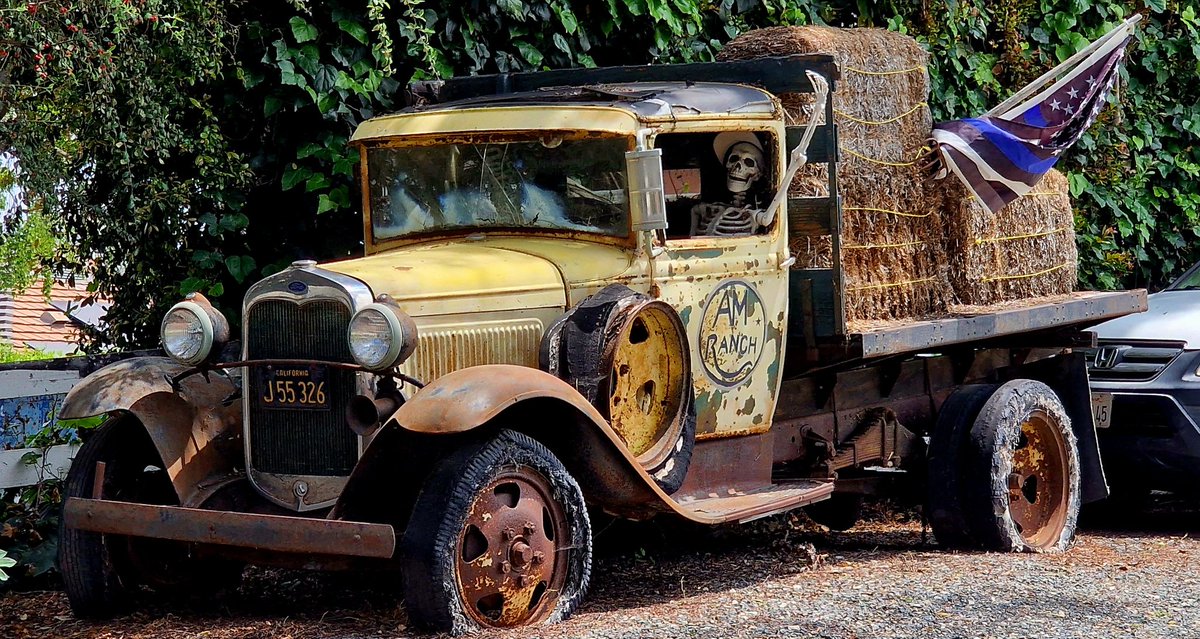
x,y
297,287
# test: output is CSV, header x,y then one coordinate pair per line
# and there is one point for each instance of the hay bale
x,y
893,251
1027,249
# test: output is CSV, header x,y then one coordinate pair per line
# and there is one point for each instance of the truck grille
x,y
445,349
1125,363
301,442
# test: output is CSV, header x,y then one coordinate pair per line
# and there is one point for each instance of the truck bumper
x,y
246,530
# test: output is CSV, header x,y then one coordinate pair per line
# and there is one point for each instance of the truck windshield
x,y
545,183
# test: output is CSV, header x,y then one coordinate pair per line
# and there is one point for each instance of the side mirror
x,y
647,202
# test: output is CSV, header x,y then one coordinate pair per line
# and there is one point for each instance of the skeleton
x,y
743,169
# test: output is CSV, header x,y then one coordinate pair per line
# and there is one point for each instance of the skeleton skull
x,y
743,167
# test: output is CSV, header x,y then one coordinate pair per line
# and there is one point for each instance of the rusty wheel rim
x,y
510,569
645,387
1038,485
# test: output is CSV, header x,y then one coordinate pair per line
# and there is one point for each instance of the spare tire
x,y
628,355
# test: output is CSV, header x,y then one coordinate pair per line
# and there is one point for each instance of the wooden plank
x,y
809,216
27,383
51,463
780,74
822,148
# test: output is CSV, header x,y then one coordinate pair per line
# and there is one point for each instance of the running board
x,y
744,506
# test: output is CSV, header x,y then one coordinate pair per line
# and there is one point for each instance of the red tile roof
x,y
29,317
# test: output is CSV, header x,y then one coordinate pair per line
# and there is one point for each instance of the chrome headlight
x,y
193,330
381,336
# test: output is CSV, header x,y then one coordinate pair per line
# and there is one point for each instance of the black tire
x,y
943,501
839,512
670,473
1021,482
435,546
100,572
96,586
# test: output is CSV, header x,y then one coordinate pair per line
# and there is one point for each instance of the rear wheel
x,y
1021,485
944,509
499,537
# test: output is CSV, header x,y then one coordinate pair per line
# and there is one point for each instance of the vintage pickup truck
x,y
577,295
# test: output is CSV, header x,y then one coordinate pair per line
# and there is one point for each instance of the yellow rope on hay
x,y
887,121
1026,275
896,72
890,284
875,210
984,240
875,246
884,162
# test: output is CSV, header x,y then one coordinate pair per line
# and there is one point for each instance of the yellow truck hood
x,y
490,274
444,279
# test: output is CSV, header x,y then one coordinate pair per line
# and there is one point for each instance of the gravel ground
x,y
784,577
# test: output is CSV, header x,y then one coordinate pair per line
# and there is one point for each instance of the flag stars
x,y
1073,92
1056,105
1091,80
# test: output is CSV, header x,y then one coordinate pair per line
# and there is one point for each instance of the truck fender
x,y
477,400
191,428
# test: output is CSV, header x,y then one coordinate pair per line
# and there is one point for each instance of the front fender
x,y
526,400
194,429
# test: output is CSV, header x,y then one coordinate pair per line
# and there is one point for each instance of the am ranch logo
x,y
732,332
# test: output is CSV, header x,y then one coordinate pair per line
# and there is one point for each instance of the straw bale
x,y
893,250
1027,249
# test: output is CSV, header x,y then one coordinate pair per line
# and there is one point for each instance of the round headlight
x,y
381,336
187,333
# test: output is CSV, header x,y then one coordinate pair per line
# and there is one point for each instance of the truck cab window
x,y
717,184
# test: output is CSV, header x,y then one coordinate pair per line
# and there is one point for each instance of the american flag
x,y
1002,155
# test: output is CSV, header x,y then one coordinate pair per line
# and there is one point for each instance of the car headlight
x,y
381,336
192,331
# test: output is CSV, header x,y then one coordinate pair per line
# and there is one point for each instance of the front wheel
x,y
1021,485
499,537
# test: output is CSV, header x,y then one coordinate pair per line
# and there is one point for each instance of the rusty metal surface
x,y
509,565
719,465
1037,485
743,507
195,431
264,532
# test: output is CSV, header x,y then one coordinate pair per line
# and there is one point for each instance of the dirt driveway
x,y
784,577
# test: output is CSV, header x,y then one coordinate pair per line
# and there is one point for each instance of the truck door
x,y
724,276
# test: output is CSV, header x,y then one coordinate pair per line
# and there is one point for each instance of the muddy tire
x,y
601,347
1020,482
499,537
839,512
943,506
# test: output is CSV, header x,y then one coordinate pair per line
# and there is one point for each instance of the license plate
x,y
293,387
1102,409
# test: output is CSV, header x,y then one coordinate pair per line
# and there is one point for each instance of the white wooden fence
x,y
31,391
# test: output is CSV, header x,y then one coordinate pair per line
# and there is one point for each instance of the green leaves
x,y
302,31
240,267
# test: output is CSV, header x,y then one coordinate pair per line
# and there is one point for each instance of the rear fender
x,y
464,407
194,429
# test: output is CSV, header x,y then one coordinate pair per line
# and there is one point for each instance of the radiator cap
x,y
306,264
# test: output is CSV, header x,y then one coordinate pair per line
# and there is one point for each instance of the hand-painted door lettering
x,y
732,333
